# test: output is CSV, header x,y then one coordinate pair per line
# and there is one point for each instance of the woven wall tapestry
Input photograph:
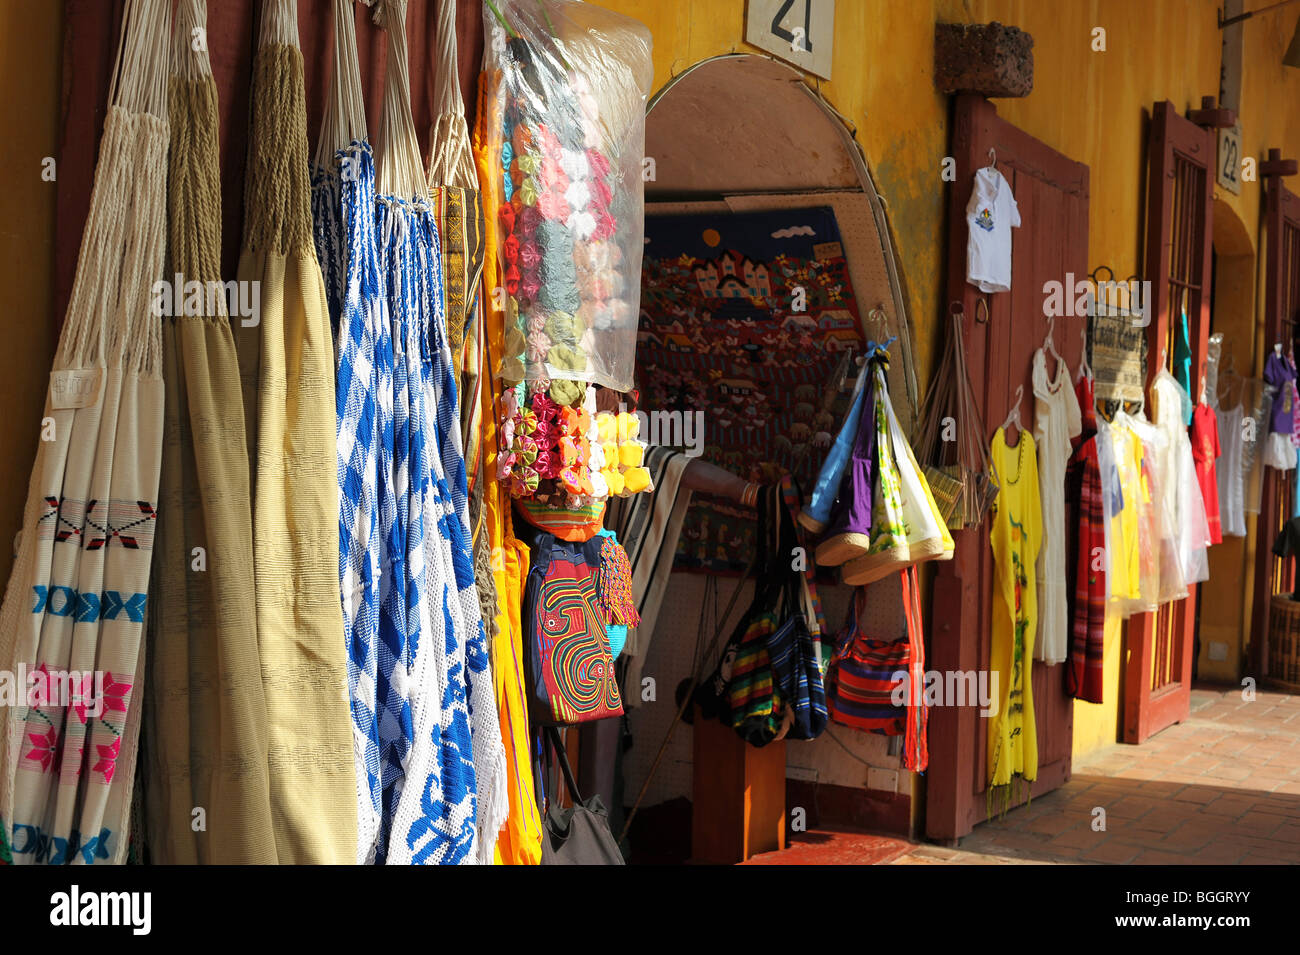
x,y
747,318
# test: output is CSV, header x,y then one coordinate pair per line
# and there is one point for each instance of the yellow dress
x,y
1016,536
1125,564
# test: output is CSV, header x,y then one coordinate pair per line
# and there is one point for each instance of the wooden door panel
x,y
1052,194
1180,190
1273,575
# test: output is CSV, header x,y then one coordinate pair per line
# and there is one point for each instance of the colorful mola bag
x,y
569,668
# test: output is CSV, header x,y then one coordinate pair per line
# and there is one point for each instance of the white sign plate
x,y
800,32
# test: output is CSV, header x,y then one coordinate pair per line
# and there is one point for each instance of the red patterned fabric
x,y
1084,668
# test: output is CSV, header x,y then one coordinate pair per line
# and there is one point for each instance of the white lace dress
x,y
1056,421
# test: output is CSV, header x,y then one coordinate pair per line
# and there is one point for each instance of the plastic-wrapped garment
x,y
1135,562
1180,491
571,104
1120,514
1163,576
1232,513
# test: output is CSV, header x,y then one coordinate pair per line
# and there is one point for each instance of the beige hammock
x,y
76,599
287,371
205,735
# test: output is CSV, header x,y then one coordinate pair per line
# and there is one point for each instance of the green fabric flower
x,y
565,392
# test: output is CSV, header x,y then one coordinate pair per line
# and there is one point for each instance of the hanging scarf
x,y
286,367
1084,674
77,595
206,735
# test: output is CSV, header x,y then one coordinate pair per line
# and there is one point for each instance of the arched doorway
x,y
1224,622
739,135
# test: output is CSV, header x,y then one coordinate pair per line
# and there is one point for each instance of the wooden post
x,y
737,795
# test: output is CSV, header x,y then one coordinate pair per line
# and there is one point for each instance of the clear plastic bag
x,y
568,113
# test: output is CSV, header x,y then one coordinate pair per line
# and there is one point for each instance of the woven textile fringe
x,y
77,595
206,718
287,372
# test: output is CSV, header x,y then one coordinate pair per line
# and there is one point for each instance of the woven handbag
x,y
952,449
864,677
569,670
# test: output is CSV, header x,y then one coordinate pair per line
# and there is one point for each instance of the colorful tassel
x,y
614,583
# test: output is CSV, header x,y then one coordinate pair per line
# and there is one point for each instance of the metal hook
x,y
993,157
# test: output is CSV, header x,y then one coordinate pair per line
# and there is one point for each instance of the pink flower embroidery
x,y
116,693
45,747
107,759
84,696
70,762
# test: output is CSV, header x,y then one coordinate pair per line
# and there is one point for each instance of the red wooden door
x,y
1050,245
1274,575
1180,194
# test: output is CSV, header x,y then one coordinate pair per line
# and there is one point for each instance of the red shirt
x,y
1205,448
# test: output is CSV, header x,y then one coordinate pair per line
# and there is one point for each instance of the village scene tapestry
x,y
748,327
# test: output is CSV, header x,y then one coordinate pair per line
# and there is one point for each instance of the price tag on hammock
x,y
74,387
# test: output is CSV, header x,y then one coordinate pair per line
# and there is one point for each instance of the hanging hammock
x,y
206,722
77,595
449,805
343,197
458,214
454,187
286,367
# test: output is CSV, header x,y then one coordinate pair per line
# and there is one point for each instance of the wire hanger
x,y
1014,416
1049,347
993,158
1084,368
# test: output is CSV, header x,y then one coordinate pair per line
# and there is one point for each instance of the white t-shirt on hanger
x,y
990,216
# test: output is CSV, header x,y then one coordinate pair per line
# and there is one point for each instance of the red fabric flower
x,y
507,216
601,194
530,257
598,163
605,226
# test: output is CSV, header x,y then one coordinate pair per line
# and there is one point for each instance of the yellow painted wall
x,y
1090,105
31,39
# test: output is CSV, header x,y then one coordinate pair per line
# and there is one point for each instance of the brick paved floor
x,y
1221,788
